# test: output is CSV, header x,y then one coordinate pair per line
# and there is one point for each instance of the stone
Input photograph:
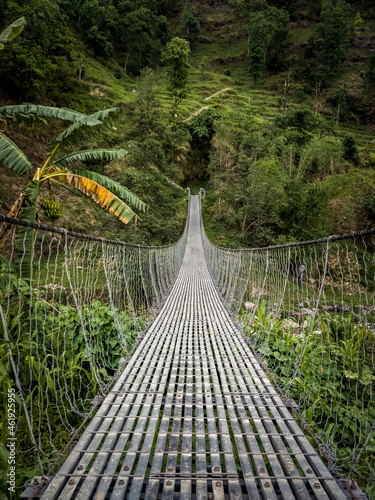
x,y
249,306
307,312
289,324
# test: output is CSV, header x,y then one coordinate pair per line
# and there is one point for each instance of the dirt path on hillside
x,y
196,113
206,107
217,93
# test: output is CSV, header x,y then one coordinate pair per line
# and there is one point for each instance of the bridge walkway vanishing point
x,y
193,415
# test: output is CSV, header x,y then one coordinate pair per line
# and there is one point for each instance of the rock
x,y
307,312
329,308
259,292
366,309
289,324
53,286
305,324
249,306
337,308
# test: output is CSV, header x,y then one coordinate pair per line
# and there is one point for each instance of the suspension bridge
x,y
193,413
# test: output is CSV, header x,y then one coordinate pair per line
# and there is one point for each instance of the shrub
x,y
350,148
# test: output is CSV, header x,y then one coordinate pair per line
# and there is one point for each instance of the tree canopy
x,y
176,59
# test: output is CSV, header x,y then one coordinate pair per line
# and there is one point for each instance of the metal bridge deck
x,y
193,415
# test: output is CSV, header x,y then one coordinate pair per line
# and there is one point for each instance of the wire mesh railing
x,y
72,307
308,310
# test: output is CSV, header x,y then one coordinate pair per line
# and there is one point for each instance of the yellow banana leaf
x,y
100,195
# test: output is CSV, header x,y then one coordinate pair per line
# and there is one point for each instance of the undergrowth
x,y
327,368
53,363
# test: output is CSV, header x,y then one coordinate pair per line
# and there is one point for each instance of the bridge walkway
x,y
193,415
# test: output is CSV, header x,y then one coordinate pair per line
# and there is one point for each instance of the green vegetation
x,y
57,371
267,105
57,170
312,68
333,387
12,31
176,58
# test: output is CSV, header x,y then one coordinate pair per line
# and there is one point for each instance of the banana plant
x,y
11,32
60,168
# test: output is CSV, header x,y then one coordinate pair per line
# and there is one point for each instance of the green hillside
x,y
282,143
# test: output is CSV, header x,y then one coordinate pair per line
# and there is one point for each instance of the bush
x,y
320,156
350,149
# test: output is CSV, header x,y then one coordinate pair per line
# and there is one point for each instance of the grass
x,y
301,35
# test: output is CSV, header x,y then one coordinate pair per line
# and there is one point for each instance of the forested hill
x,y
270,106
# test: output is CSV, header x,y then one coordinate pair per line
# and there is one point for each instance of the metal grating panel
x,y
193,414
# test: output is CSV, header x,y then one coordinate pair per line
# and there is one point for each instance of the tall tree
x,y
190,25
257,34
176,59
147,115
163,30
269,39
370,72
134,32
32,61
334,30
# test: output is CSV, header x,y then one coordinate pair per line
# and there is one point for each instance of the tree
x,y
163,31
58,170
147,114
176,59
334,30
297,125
190,25
256,51
268,39
99,42
370,72
202,129
350,148
341,102
91,14
357,25
31,63
134,32
245,8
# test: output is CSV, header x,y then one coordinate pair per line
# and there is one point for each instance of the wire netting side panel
x,y
71,317
309,312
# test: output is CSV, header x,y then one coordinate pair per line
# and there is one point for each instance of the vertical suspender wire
x,y
79,312
356,461
18,383
321,290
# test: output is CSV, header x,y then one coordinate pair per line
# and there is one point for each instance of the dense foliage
x,y
54,371
334,387
270,176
